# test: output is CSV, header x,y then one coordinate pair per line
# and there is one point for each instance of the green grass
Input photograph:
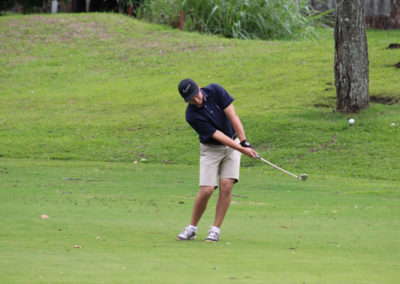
x,y
76,88
83,97
125,217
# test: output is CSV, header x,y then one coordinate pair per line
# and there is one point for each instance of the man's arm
x,y
236,123
221,137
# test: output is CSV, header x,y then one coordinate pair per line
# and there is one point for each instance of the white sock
x,y
215,229
194,228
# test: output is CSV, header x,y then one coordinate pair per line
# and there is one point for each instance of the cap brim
x,y
188,98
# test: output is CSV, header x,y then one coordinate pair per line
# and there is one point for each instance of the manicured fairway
x,y
123,218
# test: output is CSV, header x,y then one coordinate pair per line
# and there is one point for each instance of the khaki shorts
x,y
218,160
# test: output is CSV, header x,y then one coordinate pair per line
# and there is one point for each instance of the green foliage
x,y
7,4
124,5
273,19
28,6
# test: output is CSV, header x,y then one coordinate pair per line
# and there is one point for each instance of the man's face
x,y
197,100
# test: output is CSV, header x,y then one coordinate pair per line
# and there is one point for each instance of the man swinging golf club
x,y
211,114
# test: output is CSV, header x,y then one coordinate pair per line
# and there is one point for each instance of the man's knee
x,y
206,191
226,185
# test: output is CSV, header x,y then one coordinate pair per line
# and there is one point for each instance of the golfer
x,y
211,114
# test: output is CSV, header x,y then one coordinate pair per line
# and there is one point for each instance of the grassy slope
x,y
103,88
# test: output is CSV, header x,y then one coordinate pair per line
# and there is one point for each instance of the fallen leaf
x,y
236,195
283,227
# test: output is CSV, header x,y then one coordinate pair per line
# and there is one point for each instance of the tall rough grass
x,y
245,19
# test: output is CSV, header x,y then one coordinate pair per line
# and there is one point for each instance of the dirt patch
x,y
82,30
166,43
386,100
393,46
325,145
330,102
47,29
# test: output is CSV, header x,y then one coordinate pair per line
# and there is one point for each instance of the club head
x,y
303,177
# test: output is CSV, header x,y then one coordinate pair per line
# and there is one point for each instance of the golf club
x,y
302,177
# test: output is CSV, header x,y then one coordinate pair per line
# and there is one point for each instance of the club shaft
x,y
276,167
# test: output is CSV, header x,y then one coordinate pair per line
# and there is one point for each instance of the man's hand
x,y
249,152
221,137
246,144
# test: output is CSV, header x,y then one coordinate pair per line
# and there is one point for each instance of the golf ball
x,y
351,121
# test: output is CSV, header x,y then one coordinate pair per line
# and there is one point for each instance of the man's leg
x,y
200,203
210,158
224,200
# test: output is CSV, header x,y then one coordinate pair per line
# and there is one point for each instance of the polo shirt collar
x,y
205,96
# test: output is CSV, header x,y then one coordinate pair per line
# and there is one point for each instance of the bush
x,y
28,6
125,5
6,5
245,19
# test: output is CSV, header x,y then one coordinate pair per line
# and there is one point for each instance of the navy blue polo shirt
x,y
207,119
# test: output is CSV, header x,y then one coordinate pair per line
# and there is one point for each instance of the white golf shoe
x,y
187,234
213,236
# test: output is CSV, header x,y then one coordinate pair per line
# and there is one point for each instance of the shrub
x,y
6,5
245,19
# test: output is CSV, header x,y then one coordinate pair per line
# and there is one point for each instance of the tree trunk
x,y
351,57
395,14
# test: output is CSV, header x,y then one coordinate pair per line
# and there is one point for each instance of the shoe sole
x,y
191,239
211,241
